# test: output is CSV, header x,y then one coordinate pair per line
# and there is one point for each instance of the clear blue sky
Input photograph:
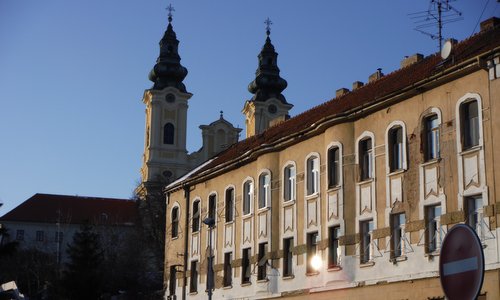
x,y
72,74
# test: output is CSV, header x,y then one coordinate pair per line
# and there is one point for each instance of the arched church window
x,y
168,134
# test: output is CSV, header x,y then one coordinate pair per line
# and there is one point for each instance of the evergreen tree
x,y
83,275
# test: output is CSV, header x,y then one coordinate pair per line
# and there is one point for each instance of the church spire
x,y
268,83
168,71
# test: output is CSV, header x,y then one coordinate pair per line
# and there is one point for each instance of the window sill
x,y
174,238
401,258
334,269
288,203
227,287
334,188
247,216
312,273
288,277
229,223
396,172
262,280
367,264
264,209
246,284
471,150
193,293
312,196
365,181
431,162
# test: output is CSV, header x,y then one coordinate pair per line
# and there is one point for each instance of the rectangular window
x,y
264,190
196,216
398,234
474,218
247,197
39,236
470,124
333,167
288,257
172,282
431,138
212,204
396,148
333,247
20,235
289,183
262,262
193,284
175,222
433,227
229,204
245,266
366,231
228,276
312,175
312,249
59,237
365,159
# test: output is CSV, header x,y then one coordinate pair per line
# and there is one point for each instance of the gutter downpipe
x,y
184,281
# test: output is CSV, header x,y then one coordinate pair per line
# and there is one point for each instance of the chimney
x,y
356,85
490,23
341,92
411,60
375,76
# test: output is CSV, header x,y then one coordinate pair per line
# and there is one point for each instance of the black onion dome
x,y
168,70
267,83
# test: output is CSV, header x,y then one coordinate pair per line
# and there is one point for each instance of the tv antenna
x,y
439,12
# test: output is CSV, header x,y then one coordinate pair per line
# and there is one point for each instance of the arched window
x,y
175,222
333,166
469,124
212,206
196,216
168,134
264,190
430,137
289,182
229,201
247,196
395,139
312,167
365,159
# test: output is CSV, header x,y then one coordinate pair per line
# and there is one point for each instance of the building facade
x,y
350,199
47,222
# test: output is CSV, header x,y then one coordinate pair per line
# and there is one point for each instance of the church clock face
x,y
170,98
272,109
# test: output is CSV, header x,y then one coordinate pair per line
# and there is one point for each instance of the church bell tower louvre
x,y
268,106
165,155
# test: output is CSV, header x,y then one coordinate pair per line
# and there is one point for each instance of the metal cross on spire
x,y
268,23
170,9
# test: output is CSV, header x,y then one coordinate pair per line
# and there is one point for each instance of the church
x,y
348,200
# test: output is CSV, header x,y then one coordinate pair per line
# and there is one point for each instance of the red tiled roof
x,y
393,83
47,208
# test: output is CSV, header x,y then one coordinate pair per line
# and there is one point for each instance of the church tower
x,y
268,106
165,155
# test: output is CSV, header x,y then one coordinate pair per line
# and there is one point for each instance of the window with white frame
x,y
195,226
398,234
433,228
365,150
312,168
228,274
287,257
469,124
212,206
229,205
175,222
264,190
312,249
333,166
289,180
474,214
366,233
245,266
333,246
395,147
430,138
262,261
247,197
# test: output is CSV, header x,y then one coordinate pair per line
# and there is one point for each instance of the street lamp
x,y
210,222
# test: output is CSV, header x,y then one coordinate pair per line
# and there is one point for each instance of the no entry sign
x,y
461,263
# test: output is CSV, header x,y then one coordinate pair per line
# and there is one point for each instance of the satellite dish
x,y
446,50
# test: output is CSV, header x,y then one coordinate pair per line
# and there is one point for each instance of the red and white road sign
x,y
461,263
